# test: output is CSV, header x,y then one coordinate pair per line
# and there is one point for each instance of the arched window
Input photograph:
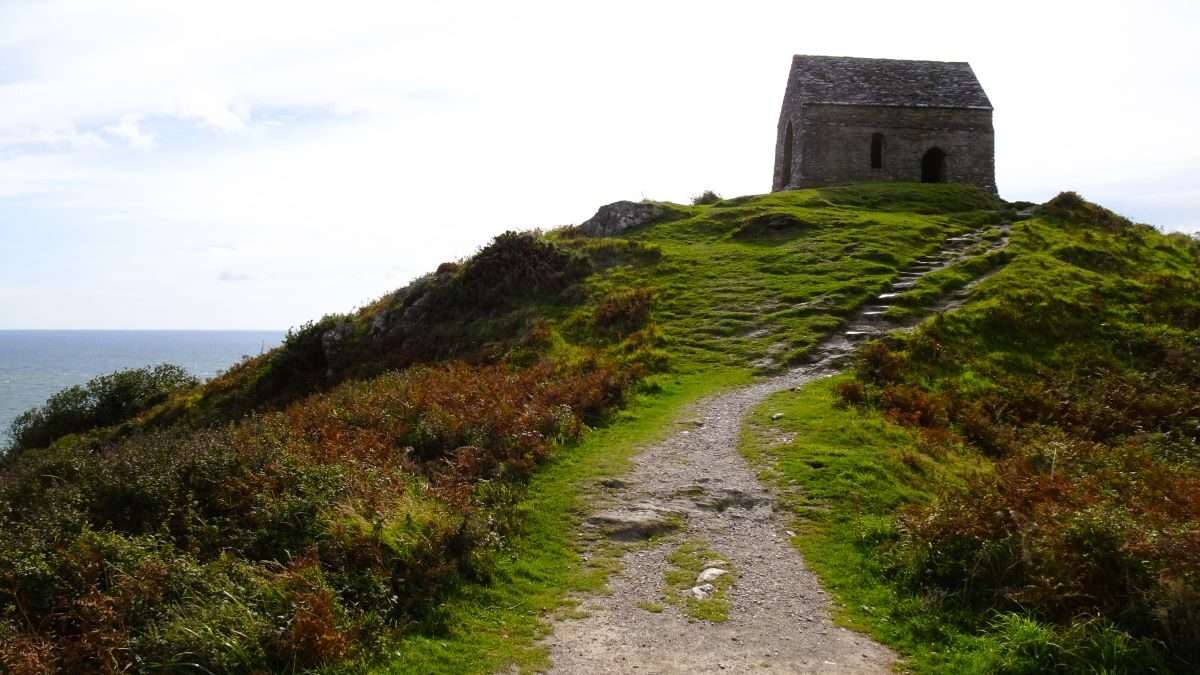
x,y
787,155
933,166
876,151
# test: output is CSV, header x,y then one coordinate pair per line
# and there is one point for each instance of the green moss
x,y
687,561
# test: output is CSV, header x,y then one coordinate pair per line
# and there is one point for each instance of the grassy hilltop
x,y
395,488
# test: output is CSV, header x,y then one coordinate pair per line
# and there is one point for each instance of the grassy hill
x,y
1014,486
376,491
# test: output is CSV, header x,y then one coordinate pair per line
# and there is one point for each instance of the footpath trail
x,y
696,487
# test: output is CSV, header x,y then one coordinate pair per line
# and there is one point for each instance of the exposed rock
x,y
617,217
613,484
776,416
711,574
728,499
641,521
331,343
703,591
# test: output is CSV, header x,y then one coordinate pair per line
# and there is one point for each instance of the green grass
x,y
848,471
722,302
483,628
845,473
730,293
1069,303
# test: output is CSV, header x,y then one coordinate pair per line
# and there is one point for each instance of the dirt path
x,y
696,486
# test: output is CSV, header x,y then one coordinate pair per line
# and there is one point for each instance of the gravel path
x,y
779,617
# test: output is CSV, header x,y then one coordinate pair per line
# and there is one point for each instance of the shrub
x,y
624,311
875,363
1066,528
515,265
706,197
101,402
851,392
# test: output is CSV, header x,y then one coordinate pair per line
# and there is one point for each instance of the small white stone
x,y
702,592
710,574
776,416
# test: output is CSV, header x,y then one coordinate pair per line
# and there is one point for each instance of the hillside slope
x,y
314,503
1013,487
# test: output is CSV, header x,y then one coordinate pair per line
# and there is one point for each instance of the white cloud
x,y
336,150
130,130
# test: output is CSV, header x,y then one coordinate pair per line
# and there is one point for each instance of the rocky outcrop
x,y
638,522
618,217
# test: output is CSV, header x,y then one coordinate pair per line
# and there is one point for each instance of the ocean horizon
x,y
35,364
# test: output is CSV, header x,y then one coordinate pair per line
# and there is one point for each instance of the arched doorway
x,y
787,156
933,166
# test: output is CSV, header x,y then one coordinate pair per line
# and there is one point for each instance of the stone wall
x,y
832,144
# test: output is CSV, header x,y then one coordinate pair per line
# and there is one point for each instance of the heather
x,y
284,541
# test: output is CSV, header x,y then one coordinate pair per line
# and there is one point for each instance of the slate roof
x,y
848,80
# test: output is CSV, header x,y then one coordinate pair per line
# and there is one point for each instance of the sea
x,y
34,364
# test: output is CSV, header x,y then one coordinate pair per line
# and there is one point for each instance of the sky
x,y
212,165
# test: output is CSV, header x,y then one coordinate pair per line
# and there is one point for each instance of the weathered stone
x,y
641,521
331,343
702,592
711,574
617,217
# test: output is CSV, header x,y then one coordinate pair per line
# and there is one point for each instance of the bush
x,y
101,402
706,197
1066,528
622,312
514,266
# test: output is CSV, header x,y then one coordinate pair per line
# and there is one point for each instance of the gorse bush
x,y
101,402
284,541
